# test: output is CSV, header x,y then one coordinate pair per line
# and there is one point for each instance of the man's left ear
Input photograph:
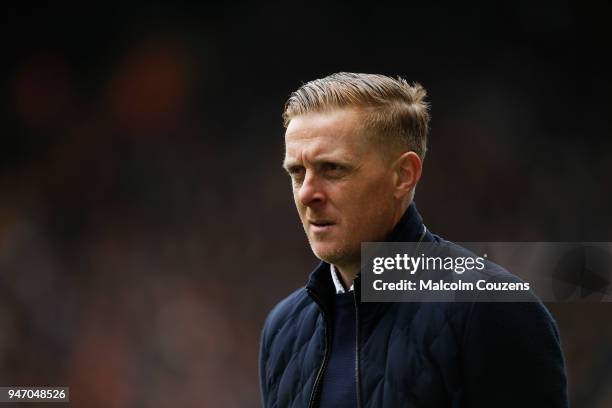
x,y
407,173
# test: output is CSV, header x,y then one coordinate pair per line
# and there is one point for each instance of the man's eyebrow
x,y
336,160
289,163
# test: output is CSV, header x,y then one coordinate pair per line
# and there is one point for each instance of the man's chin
x,y
329,254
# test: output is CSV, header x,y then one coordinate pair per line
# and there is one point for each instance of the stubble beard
x,y
339,253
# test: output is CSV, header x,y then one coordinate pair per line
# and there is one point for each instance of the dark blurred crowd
x,y
146,227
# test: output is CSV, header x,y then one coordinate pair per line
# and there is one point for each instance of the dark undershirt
x,y
339,389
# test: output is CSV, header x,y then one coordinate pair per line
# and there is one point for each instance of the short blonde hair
x,y
395,112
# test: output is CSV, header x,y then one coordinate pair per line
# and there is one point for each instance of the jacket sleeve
x,y
512,357
263,358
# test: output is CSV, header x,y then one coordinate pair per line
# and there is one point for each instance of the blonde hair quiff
x,y
396,113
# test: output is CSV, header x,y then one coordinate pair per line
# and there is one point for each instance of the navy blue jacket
x,y
467,354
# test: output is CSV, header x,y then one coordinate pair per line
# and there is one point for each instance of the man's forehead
x,y
335,130
320,148
317,152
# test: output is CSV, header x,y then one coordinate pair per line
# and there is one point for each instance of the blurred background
x,y
146,226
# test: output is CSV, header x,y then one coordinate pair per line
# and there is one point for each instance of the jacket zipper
x,y
326,352
357,350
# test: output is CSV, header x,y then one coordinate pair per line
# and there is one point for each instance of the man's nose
x,y
311,191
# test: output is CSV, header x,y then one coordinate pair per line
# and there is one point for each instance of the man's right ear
x,y
407,171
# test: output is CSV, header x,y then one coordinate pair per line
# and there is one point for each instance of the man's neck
x,y
349,272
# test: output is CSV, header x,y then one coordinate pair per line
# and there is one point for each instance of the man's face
x,y
342,185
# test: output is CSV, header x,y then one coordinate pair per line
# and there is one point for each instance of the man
x,y
355,145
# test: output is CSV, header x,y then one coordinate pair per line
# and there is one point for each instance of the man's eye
x,y
333,169
296,172
331,166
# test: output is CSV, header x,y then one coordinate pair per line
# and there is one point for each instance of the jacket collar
x,y
409,228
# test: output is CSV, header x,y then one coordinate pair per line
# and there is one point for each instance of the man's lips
x,y
320,222
320,225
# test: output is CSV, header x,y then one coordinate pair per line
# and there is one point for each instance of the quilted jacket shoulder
x,y
460,354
